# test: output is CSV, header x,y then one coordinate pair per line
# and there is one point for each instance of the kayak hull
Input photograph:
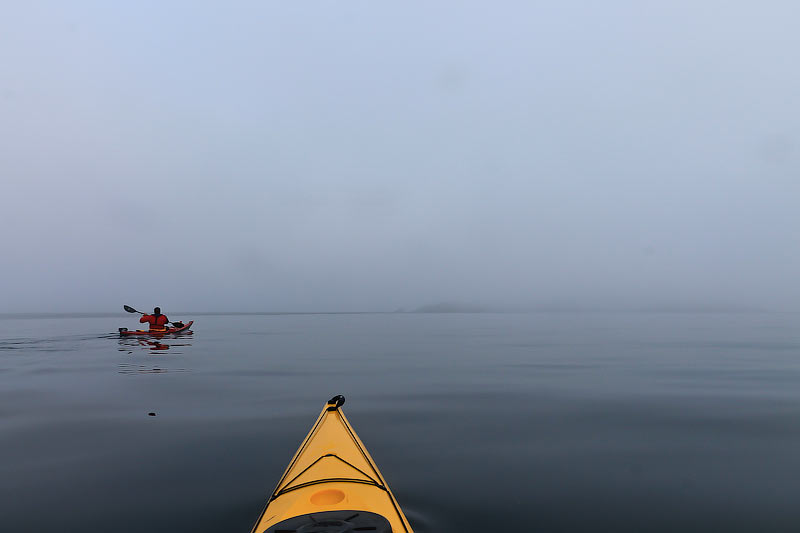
x,y
332,476
169,331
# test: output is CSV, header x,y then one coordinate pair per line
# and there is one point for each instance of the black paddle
x,y
130,309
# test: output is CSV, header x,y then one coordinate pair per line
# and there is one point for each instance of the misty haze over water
x,y
360,157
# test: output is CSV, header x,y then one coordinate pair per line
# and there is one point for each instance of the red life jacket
x,y
155,321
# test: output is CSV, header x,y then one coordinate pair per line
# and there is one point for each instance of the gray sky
x,y
346,155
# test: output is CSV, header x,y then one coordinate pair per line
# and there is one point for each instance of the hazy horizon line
x,y
421,310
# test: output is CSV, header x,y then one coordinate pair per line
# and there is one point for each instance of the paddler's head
x,y
157,311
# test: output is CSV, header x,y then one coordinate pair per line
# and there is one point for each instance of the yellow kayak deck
x,y
332,473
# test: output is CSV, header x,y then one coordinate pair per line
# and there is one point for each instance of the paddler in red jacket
x,y
157,321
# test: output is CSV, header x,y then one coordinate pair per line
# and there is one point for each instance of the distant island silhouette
x,y
451,307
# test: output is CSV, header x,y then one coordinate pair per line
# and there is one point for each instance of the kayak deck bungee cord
x,y
332,485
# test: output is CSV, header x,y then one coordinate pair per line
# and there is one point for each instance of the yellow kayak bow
x,y
332,485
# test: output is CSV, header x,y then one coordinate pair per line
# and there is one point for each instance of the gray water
x,y
479,422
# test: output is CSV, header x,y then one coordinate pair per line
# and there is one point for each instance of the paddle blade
x,y
130,309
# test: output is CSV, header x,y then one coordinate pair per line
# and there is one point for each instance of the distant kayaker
x,y
157,321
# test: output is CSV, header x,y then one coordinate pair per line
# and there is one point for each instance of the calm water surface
x,y
480,422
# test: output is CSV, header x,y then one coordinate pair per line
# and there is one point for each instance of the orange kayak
x,y
168,331
332,485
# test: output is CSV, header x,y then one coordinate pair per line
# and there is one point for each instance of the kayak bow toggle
x,y
335,402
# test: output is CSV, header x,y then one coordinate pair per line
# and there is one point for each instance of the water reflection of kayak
x,y
332,485
169,331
